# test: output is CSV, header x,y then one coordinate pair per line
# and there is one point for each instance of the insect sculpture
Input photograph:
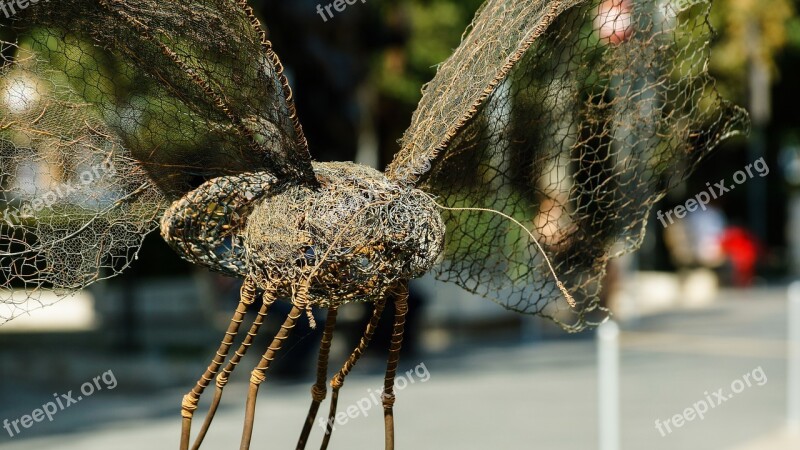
x,y
533,158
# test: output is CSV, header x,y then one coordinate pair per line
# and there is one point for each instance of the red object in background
x,y
742,249
614,20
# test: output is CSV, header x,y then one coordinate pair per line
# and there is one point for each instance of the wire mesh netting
x,y
574,118
75,206
570,117
159,96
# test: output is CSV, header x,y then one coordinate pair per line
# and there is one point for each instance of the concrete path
x,y
512,396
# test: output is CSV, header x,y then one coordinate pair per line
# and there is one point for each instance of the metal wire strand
x,y
268,298
319,390
189,403
258,374
400,311
338,379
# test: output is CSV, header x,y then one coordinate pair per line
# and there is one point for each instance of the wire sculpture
x,y
542,142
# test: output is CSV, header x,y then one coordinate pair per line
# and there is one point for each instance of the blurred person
x,y
742,249
696,240
705,231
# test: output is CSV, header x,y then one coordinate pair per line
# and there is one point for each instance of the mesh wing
x,y
75,206
192,87
573,118
110,110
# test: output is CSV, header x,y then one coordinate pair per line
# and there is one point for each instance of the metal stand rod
x,y
608,385
793,359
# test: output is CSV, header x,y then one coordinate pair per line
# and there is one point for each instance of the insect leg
x,y
319,390
224,375
299,307
338,379
189,403
400,311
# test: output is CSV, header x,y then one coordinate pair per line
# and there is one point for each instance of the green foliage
x,y
436,29
767,26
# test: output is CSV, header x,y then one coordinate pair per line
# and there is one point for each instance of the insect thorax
x,y
351,240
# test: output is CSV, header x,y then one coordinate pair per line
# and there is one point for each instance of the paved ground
x,y
515,396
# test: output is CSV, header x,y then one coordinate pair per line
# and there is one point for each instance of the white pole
x,y
793,362
608,385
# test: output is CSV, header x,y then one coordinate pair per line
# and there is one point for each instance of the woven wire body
x,y
350,240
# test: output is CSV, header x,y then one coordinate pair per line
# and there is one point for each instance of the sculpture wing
x,y
572,118
112,109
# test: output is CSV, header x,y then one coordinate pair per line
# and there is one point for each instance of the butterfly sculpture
x,y
534,157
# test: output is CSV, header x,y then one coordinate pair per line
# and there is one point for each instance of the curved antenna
x,y
567,296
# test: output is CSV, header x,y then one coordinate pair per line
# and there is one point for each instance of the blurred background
x,y
701,304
